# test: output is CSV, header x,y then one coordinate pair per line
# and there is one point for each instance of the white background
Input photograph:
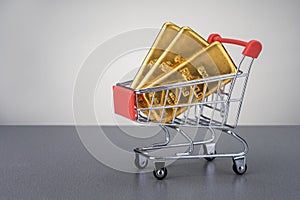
x,y
44,43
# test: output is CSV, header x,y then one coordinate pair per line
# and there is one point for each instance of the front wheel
x,y
160,174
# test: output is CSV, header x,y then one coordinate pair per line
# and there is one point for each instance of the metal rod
x,y
167,137
178,100
151,105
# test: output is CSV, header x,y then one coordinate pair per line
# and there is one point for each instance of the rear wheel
x,y
140,161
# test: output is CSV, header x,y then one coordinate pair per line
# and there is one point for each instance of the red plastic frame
x,y
252,48
124,102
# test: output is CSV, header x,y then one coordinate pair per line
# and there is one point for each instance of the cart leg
x,y
190,143
209,149
159,165
239,165
160,172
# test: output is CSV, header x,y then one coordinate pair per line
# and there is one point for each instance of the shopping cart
x,y
217,112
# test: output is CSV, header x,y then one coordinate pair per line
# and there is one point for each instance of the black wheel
x,y
211,158
239,171
140,163
160,174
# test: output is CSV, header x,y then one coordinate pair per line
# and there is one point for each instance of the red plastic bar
x,y
252,48
124,102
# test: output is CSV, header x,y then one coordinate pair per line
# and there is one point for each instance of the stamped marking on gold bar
x,y
185,72
185,92
165,66
202,72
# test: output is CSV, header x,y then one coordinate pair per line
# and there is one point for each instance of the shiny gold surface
x,y
183,46
162,41
208,62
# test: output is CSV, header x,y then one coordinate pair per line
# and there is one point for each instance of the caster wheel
x,y
211,158
239,170
160,174
140,162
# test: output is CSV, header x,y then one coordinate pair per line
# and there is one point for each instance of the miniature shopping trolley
x,y
212,113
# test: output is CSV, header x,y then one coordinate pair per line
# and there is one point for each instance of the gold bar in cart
x,y
183,46
210,62
162,41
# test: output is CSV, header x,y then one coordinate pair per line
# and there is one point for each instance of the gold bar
x,y
162,41
209,62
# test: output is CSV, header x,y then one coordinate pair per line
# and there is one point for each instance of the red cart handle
x,y
252,48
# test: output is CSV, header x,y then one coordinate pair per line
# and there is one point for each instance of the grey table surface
x,y
50,162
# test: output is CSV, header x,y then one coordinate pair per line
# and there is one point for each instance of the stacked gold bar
x,y
179,55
